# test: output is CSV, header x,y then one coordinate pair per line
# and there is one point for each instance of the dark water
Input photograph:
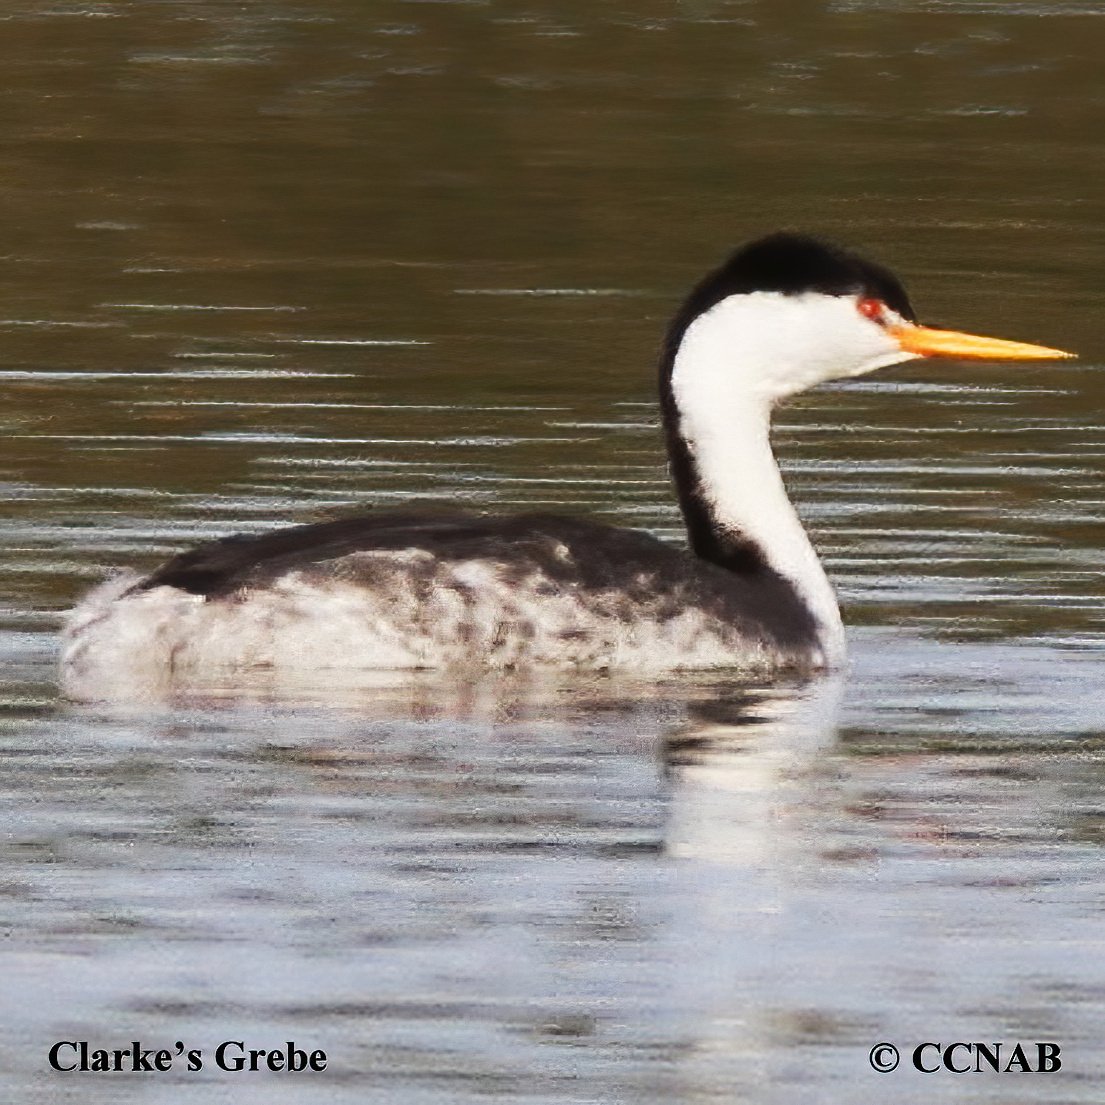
x,y
269,262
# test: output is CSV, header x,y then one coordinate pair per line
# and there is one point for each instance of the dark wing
x,y
589,551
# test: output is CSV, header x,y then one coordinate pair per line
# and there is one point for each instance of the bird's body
x,y
423,591
405,590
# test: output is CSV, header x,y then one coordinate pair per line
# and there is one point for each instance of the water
x,y
266,263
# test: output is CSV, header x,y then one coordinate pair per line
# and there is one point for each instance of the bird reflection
x,y
745,765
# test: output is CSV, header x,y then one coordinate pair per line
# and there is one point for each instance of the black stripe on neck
x,y
709,539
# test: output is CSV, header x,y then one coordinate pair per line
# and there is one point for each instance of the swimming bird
x,y
413,590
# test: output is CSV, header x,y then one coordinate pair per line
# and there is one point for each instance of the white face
x,y
771,346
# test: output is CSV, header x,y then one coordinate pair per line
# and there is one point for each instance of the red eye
x,y
872,309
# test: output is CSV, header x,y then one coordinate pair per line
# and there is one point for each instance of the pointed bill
x,y
927,342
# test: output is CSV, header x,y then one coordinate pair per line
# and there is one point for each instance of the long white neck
x,y
723,414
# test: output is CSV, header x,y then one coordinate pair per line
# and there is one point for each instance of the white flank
x,y
417,612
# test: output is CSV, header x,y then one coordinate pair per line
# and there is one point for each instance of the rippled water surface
x,y
271,262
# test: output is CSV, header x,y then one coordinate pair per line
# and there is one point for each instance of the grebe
x,y
404,590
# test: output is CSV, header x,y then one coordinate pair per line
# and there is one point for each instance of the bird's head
x,y
787,312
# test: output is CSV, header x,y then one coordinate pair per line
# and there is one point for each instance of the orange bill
x,y
926,342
